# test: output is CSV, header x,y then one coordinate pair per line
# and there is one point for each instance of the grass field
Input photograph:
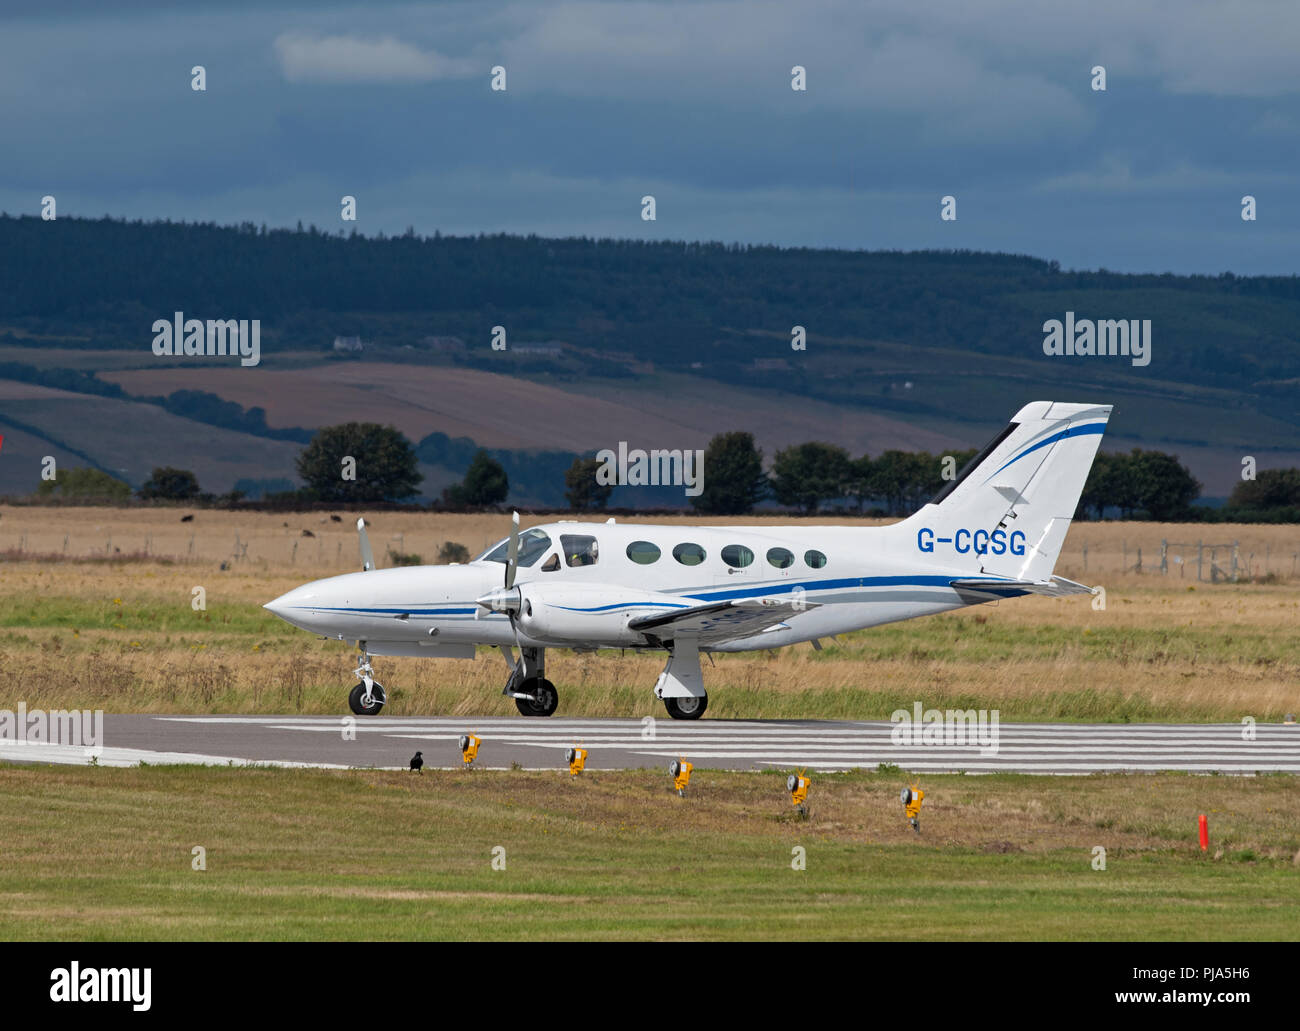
x,y
101,630
96,853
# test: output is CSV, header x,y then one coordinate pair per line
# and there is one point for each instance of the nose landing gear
x,y
534,695
368,697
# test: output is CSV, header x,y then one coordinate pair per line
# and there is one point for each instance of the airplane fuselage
x,y
853,578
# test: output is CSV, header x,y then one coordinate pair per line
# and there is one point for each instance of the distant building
x,y
348,344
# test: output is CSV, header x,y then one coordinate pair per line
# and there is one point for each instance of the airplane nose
x,y
285,605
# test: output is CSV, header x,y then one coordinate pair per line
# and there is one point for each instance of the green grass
x,y
106,854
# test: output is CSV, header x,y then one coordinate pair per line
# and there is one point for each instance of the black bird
x,y
417,761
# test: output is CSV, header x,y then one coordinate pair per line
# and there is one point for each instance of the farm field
x,y
105,620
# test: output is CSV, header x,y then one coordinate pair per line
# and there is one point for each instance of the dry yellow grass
x,y
1164,646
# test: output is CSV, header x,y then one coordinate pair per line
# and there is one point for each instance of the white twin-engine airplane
x,y
993,532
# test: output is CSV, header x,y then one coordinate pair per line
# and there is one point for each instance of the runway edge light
x,y
681,771
797,784
576,757
912,798
469,749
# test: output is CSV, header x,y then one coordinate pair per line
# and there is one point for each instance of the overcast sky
x,y
990,102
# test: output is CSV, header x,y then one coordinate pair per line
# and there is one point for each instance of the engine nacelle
x,y
590,613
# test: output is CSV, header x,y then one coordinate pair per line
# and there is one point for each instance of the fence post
x,y
1200,556
1164,555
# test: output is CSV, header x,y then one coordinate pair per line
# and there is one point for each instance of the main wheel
x,y
686,708
544,691
356,700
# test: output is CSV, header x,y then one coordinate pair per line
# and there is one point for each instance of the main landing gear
x,y
367,698
534,695
686,708
681,684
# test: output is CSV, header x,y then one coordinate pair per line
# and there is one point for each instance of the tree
x,y
383,465
583,492
168,484
1271,488
1166,486
485,484
859,484
1151,482
805,475
85,482
903,479
733,476
1112,483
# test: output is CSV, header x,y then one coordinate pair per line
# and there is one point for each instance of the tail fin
x,y
1008,511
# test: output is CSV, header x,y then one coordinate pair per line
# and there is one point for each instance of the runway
x,y
824,745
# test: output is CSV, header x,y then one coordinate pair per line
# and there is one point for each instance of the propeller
x,y
512,550
367,556
507,599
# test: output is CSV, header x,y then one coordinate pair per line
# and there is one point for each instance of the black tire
x,y
686,708
377,694
548,699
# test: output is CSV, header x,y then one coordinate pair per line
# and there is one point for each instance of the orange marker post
x,y
1205,833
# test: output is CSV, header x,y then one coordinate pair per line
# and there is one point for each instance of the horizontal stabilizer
x,y
719,621
1056,587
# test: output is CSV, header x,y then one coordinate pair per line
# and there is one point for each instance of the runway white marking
x,y
76,755
1067,749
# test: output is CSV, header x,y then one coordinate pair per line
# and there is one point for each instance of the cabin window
x,y
737,556
533,544
579,550
780,557
643,553
814,559
688,554
551,564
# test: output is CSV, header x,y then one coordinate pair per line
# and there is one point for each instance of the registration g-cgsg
x,y
981,542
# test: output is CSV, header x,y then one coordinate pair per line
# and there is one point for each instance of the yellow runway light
x,y
912,798
681,771
797,784
577,759
469,749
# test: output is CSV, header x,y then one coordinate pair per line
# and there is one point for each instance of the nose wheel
x,y
367,701
368,697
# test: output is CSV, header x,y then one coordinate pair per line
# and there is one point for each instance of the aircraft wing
x,y
719,621
1056,587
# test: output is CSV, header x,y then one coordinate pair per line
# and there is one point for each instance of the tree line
x,y
366,463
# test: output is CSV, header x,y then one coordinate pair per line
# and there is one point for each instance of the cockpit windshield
x,y
533,544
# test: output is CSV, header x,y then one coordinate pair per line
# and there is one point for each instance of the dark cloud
x,y
690,102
